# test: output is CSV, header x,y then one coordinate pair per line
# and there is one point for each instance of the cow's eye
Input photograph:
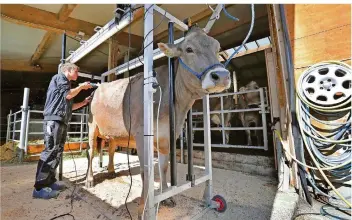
x,y
189,50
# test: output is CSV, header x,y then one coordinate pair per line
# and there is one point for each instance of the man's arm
x,y
81,104
73,92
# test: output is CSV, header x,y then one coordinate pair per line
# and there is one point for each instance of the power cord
x,y
130,117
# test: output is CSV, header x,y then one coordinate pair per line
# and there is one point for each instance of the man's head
x,y
70,70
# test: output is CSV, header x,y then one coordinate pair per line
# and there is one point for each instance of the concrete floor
x,y
248,196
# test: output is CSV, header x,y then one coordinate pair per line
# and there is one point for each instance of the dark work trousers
x,y
54,139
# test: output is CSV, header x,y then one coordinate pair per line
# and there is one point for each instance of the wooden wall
x,y
319,32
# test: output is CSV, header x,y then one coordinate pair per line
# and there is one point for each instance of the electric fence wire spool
x,y
324,114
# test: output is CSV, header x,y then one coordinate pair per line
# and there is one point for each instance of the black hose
x,y
292,104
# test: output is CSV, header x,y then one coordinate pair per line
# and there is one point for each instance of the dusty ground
x,y
248,197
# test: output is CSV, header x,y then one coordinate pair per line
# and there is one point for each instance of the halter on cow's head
x,y
198,58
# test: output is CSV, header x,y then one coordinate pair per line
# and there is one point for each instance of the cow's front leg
x,y
164,165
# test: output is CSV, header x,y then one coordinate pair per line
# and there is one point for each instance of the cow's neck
x,y
185,95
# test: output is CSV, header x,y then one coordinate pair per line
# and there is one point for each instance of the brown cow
x,y
110,111
252,118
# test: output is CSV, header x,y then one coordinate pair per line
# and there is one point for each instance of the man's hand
x,y
87,100
81,104
85,86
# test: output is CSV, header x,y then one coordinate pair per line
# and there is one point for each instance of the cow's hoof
x,y
89,184
170,202
111,174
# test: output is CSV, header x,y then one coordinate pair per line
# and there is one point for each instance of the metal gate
x,y
262,108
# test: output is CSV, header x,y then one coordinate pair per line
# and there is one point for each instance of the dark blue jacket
x,y
57,107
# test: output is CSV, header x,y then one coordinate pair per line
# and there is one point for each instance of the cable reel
x,y
326,84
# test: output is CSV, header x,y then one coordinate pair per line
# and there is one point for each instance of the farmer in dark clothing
x,y
57,113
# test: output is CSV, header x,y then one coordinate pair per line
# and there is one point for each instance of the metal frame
x,y
263,110
25,122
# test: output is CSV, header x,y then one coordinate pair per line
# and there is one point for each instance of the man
x,y
57,113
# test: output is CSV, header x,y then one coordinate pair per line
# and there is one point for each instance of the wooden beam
x,y
113,55
42,47
40,19
65,11
24,66
45,43
194,19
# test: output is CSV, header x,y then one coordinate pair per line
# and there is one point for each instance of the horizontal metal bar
x,y
233,93
157,54
17,112
76,123
201,179
77,132
175,190
14,140
16,131
36,122
88,76
35,133
179,24
79,114
230,129
229,111
230,146
18,121
98,38
171,192
36,111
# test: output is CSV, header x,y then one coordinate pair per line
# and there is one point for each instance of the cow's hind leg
x,y
92,145
111,169
164,164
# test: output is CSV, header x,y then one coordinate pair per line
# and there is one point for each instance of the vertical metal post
x,y
14,128
262,107
173,170
181,145
207,150
148,115
81,127
63,56
23,123
186,140
27,129
8,126
190,175
222,119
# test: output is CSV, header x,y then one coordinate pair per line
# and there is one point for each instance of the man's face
x,y
74,74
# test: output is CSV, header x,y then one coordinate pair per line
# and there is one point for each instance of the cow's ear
x,y
170,50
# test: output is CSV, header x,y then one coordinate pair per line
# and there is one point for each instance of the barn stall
x,y
261,59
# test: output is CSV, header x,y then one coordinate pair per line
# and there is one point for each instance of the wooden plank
x,y
24,66
42,47
308,19
47,40
329,45
113,55
40,19
65,11
37,149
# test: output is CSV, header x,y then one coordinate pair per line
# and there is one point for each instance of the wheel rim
x,y
328,84
221,204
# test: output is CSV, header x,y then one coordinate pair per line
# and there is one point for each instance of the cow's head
x,y
198,57
251,98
